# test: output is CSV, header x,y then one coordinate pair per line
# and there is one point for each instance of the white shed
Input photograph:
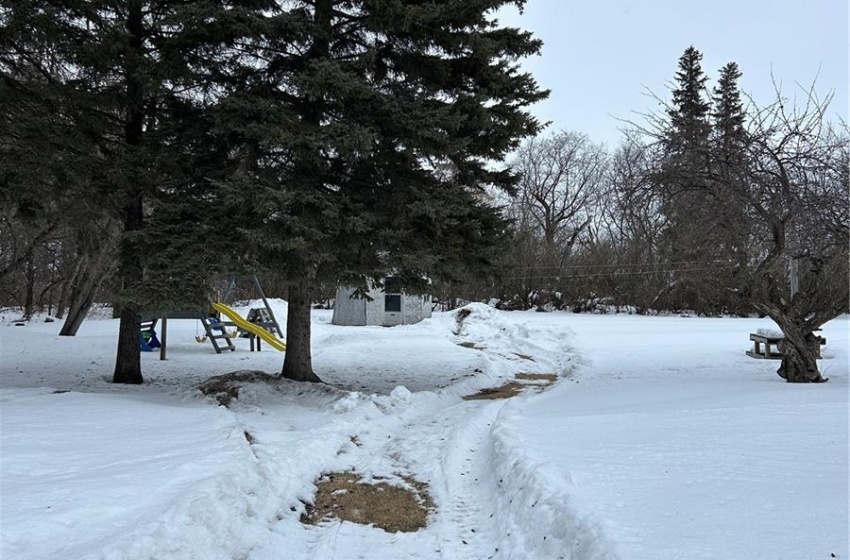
x,y
379,308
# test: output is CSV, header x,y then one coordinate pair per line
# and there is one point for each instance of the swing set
x,y
215,324
261,323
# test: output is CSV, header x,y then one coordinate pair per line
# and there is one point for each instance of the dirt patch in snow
x,y
390,507
548,378
225,388
506,391
540,381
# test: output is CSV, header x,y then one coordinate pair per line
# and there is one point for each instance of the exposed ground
x,y
399,507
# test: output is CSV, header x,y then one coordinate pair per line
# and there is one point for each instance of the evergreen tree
x,y
125,75
44,158
345,139
683,183
729,179
365,140
689,111
728,114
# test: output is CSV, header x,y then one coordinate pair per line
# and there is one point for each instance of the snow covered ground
x,y
661,440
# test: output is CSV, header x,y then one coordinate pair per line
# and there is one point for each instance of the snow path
x,y
465,481
430,435
396,435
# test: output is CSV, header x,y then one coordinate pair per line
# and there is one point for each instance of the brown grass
x,y
471,345
547,377
523,356
389,507
513,388
225,388
506,391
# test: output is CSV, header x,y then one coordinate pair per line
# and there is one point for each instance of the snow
x,y
770,333
660,440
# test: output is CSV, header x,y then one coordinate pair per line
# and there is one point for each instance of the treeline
x,y
592,227
147,147
714,206
698,209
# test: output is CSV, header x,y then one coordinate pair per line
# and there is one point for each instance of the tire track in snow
x,y
460,478
468,478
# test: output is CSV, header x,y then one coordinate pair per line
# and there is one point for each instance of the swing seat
x,y
200,339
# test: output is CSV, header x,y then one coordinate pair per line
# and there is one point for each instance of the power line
x,y
624,265
614,274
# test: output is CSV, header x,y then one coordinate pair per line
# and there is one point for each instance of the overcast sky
x,y
600,57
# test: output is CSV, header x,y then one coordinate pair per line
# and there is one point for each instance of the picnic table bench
x,y
771,339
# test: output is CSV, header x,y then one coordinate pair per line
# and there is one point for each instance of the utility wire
x,y
614,274
624,265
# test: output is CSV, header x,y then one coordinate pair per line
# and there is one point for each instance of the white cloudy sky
x,y
601,57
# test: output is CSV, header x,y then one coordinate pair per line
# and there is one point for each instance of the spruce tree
x,y
366,138
728,114
690,110
125,75
683,181
729,179
45,156
344,140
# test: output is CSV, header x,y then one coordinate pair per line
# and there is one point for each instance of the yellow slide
x,y
237,319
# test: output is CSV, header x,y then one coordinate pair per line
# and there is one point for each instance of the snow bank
x,y
536,511
181,484
516,341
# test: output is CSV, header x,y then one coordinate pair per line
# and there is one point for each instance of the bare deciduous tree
x,y
562,180
798,205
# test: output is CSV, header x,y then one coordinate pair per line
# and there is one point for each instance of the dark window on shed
x,y
392,303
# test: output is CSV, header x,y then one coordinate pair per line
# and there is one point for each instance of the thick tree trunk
x,y
128,367
67,291
76,316
799,356
128,362
298,362
800,347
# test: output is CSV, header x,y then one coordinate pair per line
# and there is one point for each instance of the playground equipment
x,y
260,325
147,336
252,328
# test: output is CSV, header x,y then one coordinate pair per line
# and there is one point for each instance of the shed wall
x,y
351,311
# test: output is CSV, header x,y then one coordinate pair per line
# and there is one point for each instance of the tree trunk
x,y
66,292
298,362
29,294
799,356
72,293
800,347
76,316
46,299
82,297
128,367
128,362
